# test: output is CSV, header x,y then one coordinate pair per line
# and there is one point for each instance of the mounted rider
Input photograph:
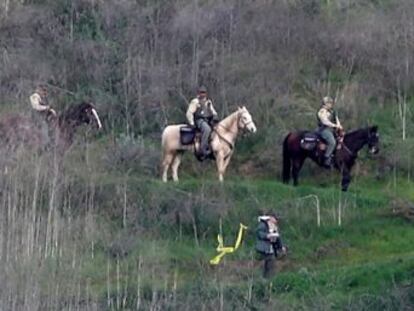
x,y
38,101
42,113
201,114
328,124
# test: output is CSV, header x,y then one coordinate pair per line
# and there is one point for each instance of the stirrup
x,y
200,156
327,163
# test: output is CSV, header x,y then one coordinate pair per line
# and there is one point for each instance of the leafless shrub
x,y
402,209
128,153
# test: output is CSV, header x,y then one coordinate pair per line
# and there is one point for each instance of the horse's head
x,y
245,120
373,139
84,113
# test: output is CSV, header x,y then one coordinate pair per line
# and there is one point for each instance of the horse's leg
x,y
220,166
296,166
287,162
346,178
224,164
174,167
166,162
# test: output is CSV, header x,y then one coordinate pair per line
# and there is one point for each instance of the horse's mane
x,y
233,114
74,111
358,132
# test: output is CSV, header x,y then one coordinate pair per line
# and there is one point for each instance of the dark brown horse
x,y
66,124
294,153
16,130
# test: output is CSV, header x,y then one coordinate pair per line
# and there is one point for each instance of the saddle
x,y
188,135
192,136
312,140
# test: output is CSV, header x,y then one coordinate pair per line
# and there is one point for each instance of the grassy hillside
x,y
366,262
97,230
100,239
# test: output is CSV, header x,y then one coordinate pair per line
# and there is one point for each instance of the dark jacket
x,y
263,244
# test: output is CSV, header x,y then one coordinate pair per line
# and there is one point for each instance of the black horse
x,y
65,124
294,153
18,130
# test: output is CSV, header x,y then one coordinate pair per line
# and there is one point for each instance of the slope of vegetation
x,y
97,230
123,241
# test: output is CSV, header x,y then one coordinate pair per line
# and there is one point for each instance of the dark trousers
x,y
205,129
40,120
268,264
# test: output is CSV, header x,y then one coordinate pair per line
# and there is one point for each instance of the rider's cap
x,y
41,87
202,89
327,100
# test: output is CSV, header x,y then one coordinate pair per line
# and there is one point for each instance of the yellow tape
x,y
227,250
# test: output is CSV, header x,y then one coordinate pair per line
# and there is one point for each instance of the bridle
x,y
372,139
239,116
245,124
371,135
369,140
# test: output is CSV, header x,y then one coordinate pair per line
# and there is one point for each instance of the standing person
x,y
268,242
328,123
201,114
38,101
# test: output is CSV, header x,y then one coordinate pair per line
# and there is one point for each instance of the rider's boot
x,y
199,155
202,153
327,162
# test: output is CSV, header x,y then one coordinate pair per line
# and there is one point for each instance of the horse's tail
x,y
164,142
169,135
286,161
163,139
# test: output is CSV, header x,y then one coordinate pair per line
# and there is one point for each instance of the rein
x,y
349,150
224,139
238,119
231,145
227,129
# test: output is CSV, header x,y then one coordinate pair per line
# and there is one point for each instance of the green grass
x,y
370,252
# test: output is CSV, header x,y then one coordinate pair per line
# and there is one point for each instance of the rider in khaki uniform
x,y
328,123
201,113
38,102
42,113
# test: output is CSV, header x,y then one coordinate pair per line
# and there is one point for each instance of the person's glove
x,y
215,120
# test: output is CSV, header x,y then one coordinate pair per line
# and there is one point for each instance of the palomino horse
x,y
222,142
294,154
